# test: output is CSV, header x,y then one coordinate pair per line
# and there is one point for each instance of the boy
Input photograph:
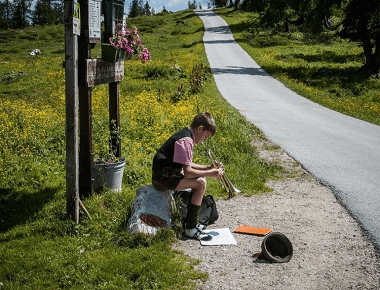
x,y
175,155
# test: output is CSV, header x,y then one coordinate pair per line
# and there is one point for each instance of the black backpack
x,y
208,213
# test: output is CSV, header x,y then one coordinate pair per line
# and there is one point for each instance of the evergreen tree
x,y
20,17
48,12
135,9
219,3
277,13
58,6
147,9
362,24
6,12
360,20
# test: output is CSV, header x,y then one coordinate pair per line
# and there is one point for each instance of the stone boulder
x,y
151,209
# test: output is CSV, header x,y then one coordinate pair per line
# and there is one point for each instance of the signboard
x,y
103,72
76,18
94,21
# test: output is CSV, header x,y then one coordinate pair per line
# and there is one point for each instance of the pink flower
x,y
130,41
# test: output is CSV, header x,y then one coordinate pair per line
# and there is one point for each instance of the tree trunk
x,y
376,64
372,55
287,24
367,48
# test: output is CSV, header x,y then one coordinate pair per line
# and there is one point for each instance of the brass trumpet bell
x,y
224,180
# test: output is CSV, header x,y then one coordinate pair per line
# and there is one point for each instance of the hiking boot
x,y
197,234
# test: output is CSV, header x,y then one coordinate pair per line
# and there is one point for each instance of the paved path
x,y
342,152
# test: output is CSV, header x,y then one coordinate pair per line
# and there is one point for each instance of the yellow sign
x,y
76,18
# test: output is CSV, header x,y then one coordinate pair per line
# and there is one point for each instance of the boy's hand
x,y
219,164
219,173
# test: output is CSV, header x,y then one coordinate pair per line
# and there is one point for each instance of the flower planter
x,y
108,175
110,54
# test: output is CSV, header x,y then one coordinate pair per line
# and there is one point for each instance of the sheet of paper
x,y
219,237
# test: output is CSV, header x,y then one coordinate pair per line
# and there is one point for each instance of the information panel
x,y
94,21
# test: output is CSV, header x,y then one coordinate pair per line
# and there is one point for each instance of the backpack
x,y
208,213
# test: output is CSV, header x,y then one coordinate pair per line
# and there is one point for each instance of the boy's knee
x,y
202,183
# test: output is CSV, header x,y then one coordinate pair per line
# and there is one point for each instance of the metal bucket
x,y
108,175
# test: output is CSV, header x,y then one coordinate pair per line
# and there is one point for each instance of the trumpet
x,y
224,180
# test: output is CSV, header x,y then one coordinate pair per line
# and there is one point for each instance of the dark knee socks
x,y
192,216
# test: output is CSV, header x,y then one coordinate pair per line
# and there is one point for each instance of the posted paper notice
x,y
219,237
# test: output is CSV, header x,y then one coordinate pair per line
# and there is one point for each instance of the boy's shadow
x,y
211,235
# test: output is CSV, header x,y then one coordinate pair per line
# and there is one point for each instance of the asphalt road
x,y
341,151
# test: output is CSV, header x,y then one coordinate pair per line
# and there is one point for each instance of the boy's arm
x,y
200,166
196,170
207,167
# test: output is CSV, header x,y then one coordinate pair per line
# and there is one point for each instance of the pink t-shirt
x,y
183,151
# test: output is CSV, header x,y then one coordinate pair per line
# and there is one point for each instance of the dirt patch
x,y
330,250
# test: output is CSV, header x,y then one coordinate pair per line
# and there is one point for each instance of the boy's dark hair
x,y
206,120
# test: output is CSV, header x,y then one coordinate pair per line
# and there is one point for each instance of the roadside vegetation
x,y
40,248
323,67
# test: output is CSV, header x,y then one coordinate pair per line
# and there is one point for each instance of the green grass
x,y
40,248
324,69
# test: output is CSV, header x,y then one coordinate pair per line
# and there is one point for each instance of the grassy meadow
x,y
40,248
324,69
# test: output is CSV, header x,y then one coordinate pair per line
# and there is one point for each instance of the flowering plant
x,y
130,41
108,153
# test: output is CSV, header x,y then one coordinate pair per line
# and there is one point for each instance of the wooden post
x,y
85,111
71,79
81,73
114,116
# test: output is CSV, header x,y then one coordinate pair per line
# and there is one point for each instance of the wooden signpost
x,y
72,24
82,31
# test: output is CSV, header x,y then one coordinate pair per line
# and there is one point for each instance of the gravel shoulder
x,y
330,250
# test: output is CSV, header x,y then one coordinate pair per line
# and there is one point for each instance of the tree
x,y
219,3
42,13
147,9
277,13
58,6
6,12
318,14
254,5
359,21
362,23
21,14
192,5
47,12
136,8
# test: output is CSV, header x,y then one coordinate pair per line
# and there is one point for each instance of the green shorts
x,y
167,178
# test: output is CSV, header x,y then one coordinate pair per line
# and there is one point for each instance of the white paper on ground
x,y
219,237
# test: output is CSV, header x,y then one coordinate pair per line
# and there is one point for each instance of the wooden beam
x,y
114,115
85,110
103,72
71,82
